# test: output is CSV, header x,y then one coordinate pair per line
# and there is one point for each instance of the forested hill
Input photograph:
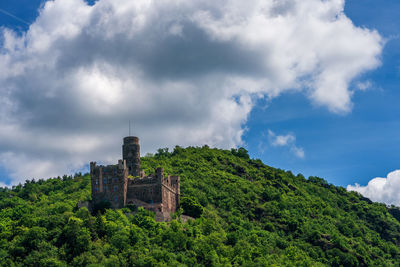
x,y
247,214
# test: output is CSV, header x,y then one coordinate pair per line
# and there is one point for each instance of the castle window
x,y
105,180
97,181
115,180
115,188
97,189
115,199
151,190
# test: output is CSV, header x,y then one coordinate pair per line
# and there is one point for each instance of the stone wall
x,y
154,192
155,189
168,199
109,183
149,193
131,154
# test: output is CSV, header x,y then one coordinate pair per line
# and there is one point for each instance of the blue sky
x,y
344,147
350,148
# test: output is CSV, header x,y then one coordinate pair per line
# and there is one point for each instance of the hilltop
x,y
245,213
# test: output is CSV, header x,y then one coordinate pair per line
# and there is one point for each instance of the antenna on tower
x,y
129,127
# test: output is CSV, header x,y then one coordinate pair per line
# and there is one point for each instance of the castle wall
x,y
109,183
149,193
169,199
154,192
155,189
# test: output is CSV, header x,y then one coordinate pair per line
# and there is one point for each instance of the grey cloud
x,y
161,55
283,7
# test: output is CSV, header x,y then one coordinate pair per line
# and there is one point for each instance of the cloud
x,y
385,190
363,85
281,140
299,152
185,72
3,184
288,140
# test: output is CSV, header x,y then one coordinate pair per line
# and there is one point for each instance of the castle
x,y
124,183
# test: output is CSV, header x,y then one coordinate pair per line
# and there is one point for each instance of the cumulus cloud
x,y
385,190
288,140
185,72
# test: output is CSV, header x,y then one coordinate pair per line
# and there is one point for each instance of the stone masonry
x,y
125,183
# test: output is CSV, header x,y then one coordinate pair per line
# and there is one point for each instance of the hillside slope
x,y
248,214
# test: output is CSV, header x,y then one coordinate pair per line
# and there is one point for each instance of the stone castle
x,y
124,183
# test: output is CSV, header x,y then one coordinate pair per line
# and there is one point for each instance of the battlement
x,y
157,178
108,168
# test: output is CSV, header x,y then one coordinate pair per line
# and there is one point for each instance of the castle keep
x,y
124,183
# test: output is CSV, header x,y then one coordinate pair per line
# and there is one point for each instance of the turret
x,y
131,154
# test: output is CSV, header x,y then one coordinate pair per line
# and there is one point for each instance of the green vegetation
x,y
246,214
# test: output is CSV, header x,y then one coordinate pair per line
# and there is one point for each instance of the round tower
x,y
131,153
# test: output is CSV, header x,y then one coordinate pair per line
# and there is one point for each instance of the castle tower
x,y
131,153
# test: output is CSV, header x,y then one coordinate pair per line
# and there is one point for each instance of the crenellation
x,y
124,183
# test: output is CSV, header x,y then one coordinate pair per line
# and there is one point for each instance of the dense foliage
x,y
246,214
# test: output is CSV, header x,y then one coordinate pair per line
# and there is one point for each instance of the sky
x,y
309,86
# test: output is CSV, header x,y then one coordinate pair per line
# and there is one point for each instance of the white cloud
x,y
299,152
288,140
3,184
185,72
281,140
362,86
385,190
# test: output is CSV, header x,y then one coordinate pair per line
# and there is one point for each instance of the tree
x,y
191,207
75,237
